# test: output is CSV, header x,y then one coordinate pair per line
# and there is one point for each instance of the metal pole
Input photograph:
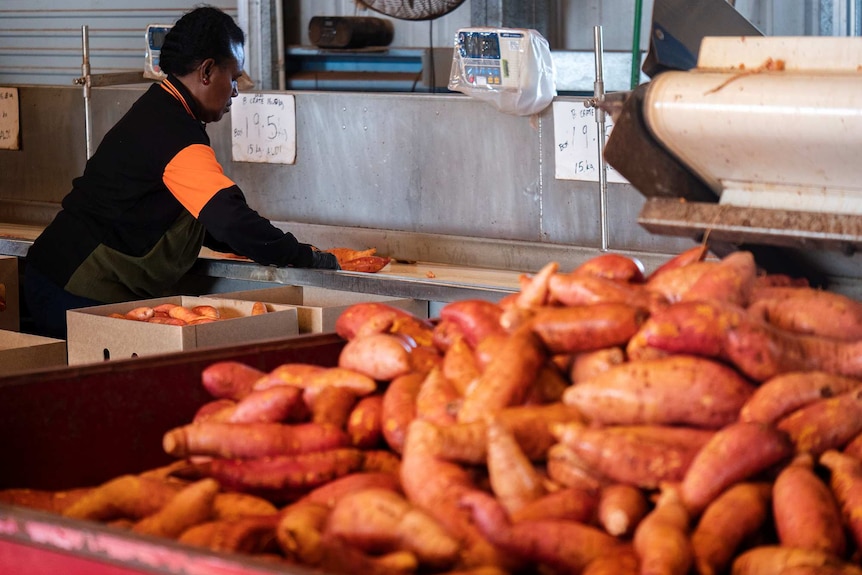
x,y
599,96
85,82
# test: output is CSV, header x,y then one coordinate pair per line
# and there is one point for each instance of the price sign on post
x,y
576,143
10,127
263,128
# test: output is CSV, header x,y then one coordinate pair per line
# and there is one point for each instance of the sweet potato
x,y
737,452
534,289
437,400
564,546
569,503
282,476
778,559
251,439
282,403
215,410
671,284
507,379
809,311
845,482
612,266
684,258
621,508
826,423
399,408
661,540
336,557
586,328
678,389
367,318
566,468
760,351
382,521
300,530
43,499
209,311
513,478
641,455
785,393
330,493
732,280
331,405
258,308
249,535
184,313
366,264
382,356
294,373
230,379
573,290
622,561
142,313
126,496
805,511
435,486
365,422
192,505
735,516
230,505
475,318
460,366
589,364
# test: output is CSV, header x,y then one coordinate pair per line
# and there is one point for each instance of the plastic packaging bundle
x,y
510,68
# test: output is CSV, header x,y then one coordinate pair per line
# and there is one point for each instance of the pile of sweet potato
x,y
703,419
175,314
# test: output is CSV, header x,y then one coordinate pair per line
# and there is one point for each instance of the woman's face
x,y
218,85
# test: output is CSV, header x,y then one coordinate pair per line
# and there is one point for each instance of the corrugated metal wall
x,y
41,40
41,43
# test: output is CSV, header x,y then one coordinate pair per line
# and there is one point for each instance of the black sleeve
x,y
229,220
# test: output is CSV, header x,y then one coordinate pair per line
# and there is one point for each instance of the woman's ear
x,y
206,69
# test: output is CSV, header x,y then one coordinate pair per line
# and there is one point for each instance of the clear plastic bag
x,y
510,68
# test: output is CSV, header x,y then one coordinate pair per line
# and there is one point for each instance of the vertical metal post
x,y
85,82
599,96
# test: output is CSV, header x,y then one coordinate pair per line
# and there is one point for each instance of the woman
x,y
153,193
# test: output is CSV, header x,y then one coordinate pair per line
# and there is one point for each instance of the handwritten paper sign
x,y
263,127
10,131
576,143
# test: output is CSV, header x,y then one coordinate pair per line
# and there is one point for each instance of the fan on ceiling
x,y
412,9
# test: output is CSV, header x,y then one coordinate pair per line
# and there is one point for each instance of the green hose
x,y
636,45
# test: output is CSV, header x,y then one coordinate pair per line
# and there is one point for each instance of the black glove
x,y
324,261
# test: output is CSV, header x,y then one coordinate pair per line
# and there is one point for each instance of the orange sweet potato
x,y
296,374
230,379
382,521
785,393
126,496
825,424
641,455
735,516
737,452
475,318
534,288
845,482
142,313
805,511
588,327
513,478
566,468
732,280
330,493
685,258
612,266
460,366
810,311
621,508
437,400
564,546
365,422
671,284
282,403
331,405
251,439
300,530
661,540
766,559
381,356
367,264
569,503
678,389
507,379
367,318
572,290
191,506
588,364
249,535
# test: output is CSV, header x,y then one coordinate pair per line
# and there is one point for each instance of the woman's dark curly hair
x,y
205,32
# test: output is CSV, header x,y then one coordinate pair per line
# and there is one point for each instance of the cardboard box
x,y
318,308
10,308
93,336
23,352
